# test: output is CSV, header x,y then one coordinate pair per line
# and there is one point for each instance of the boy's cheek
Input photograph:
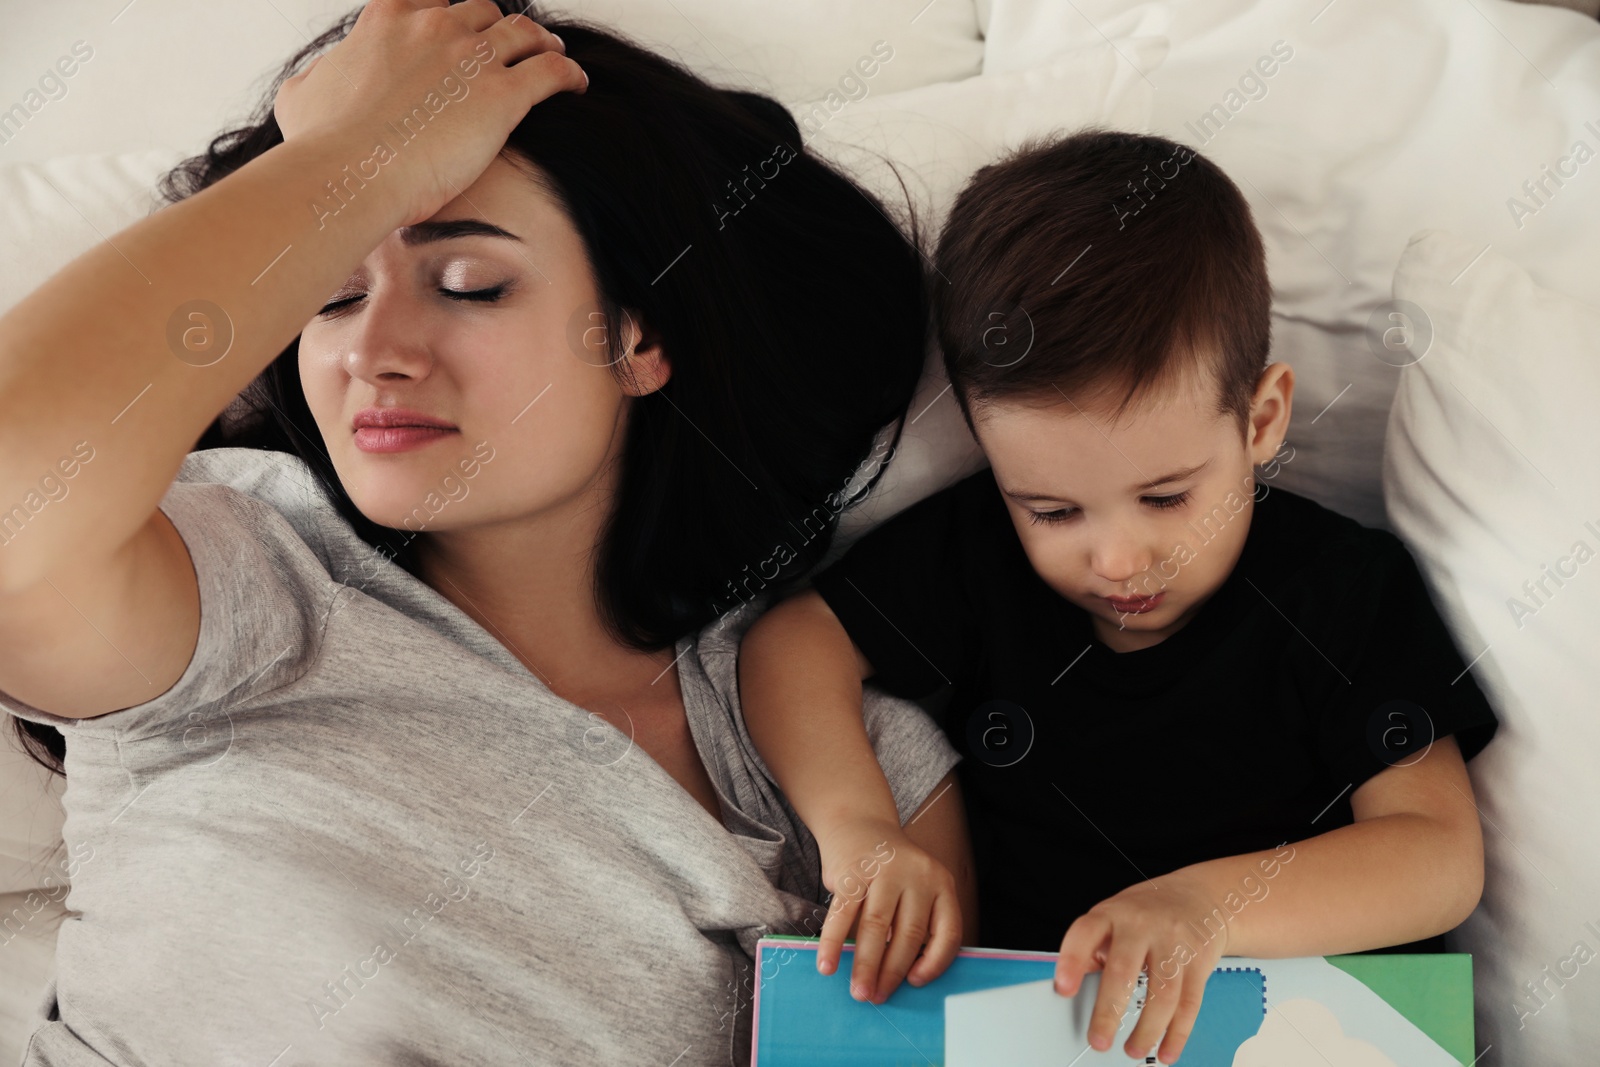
x,y
1051,557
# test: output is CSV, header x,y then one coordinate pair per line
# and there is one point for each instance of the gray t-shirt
x,y
359,831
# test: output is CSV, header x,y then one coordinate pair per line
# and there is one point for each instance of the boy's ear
x,y
645,366
1269,412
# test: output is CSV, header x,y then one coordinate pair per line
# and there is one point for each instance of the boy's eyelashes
x,y
1063,514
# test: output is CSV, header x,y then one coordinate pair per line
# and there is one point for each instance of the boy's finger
x,y
872,936
835,928
911,924
1161,1000
1086,934
944,941
1182,1025
1116,993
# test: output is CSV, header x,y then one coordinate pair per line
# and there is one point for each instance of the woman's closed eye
x,y
489,295
1063,514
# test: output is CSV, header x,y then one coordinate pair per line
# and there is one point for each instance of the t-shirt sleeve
x,y
1397,682
911,748
898,593
264,600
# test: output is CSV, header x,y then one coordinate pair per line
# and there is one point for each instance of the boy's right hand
x,y
898,898
401,53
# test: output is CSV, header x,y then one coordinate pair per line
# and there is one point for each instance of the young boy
x,y
1200,715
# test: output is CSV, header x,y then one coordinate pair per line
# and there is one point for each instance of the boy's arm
x,y
939,828
1409,867
800,689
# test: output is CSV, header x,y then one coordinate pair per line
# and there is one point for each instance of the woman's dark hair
x,y
1097,261
793,311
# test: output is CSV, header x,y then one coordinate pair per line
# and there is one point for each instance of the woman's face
x,y
518,372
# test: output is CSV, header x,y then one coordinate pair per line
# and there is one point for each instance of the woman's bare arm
x,y
98,353
100,608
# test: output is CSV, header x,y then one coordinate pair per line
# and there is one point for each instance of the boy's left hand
x,y
1142,928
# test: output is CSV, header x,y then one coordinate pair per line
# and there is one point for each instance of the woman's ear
x,y
645,367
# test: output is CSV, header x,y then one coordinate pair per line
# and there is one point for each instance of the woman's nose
x,y
390,341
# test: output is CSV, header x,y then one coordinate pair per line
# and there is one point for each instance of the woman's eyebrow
x,y
427,232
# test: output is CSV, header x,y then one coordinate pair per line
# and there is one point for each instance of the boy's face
x,y
1140,558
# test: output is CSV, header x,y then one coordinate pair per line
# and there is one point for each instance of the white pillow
x,y
1028,33
1391,116
803,51
125,97
1490,478
53,212
936,137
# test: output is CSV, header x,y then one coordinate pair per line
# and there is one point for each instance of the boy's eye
x,y
485,295
1063,514
1167,501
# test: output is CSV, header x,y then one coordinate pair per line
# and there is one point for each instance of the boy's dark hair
x,y
1102,260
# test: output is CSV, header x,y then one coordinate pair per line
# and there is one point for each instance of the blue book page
x,y
803,1017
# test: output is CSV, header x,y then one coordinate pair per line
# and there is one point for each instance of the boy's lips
x,y
1135,605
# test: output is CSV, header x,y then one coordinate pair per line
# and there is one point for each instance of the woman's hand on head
x,y
463,74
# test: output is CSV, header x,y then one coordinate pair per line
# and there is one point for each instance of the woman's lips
x,y
398,438
1136,605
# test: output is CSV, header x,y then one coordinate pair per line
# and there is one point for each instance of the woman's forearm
x,y
116,349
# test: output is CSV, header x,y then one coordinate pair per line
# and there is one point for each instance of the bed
x,y
1424,175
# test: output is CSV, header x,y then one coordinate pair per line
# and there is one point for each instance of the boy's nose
x,y
1119,565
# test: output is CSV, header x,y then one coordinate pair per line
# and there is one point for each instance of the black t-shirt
x,y
1087,770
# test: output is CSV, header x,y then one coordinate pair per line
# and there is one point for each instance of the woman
x,y
408,731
